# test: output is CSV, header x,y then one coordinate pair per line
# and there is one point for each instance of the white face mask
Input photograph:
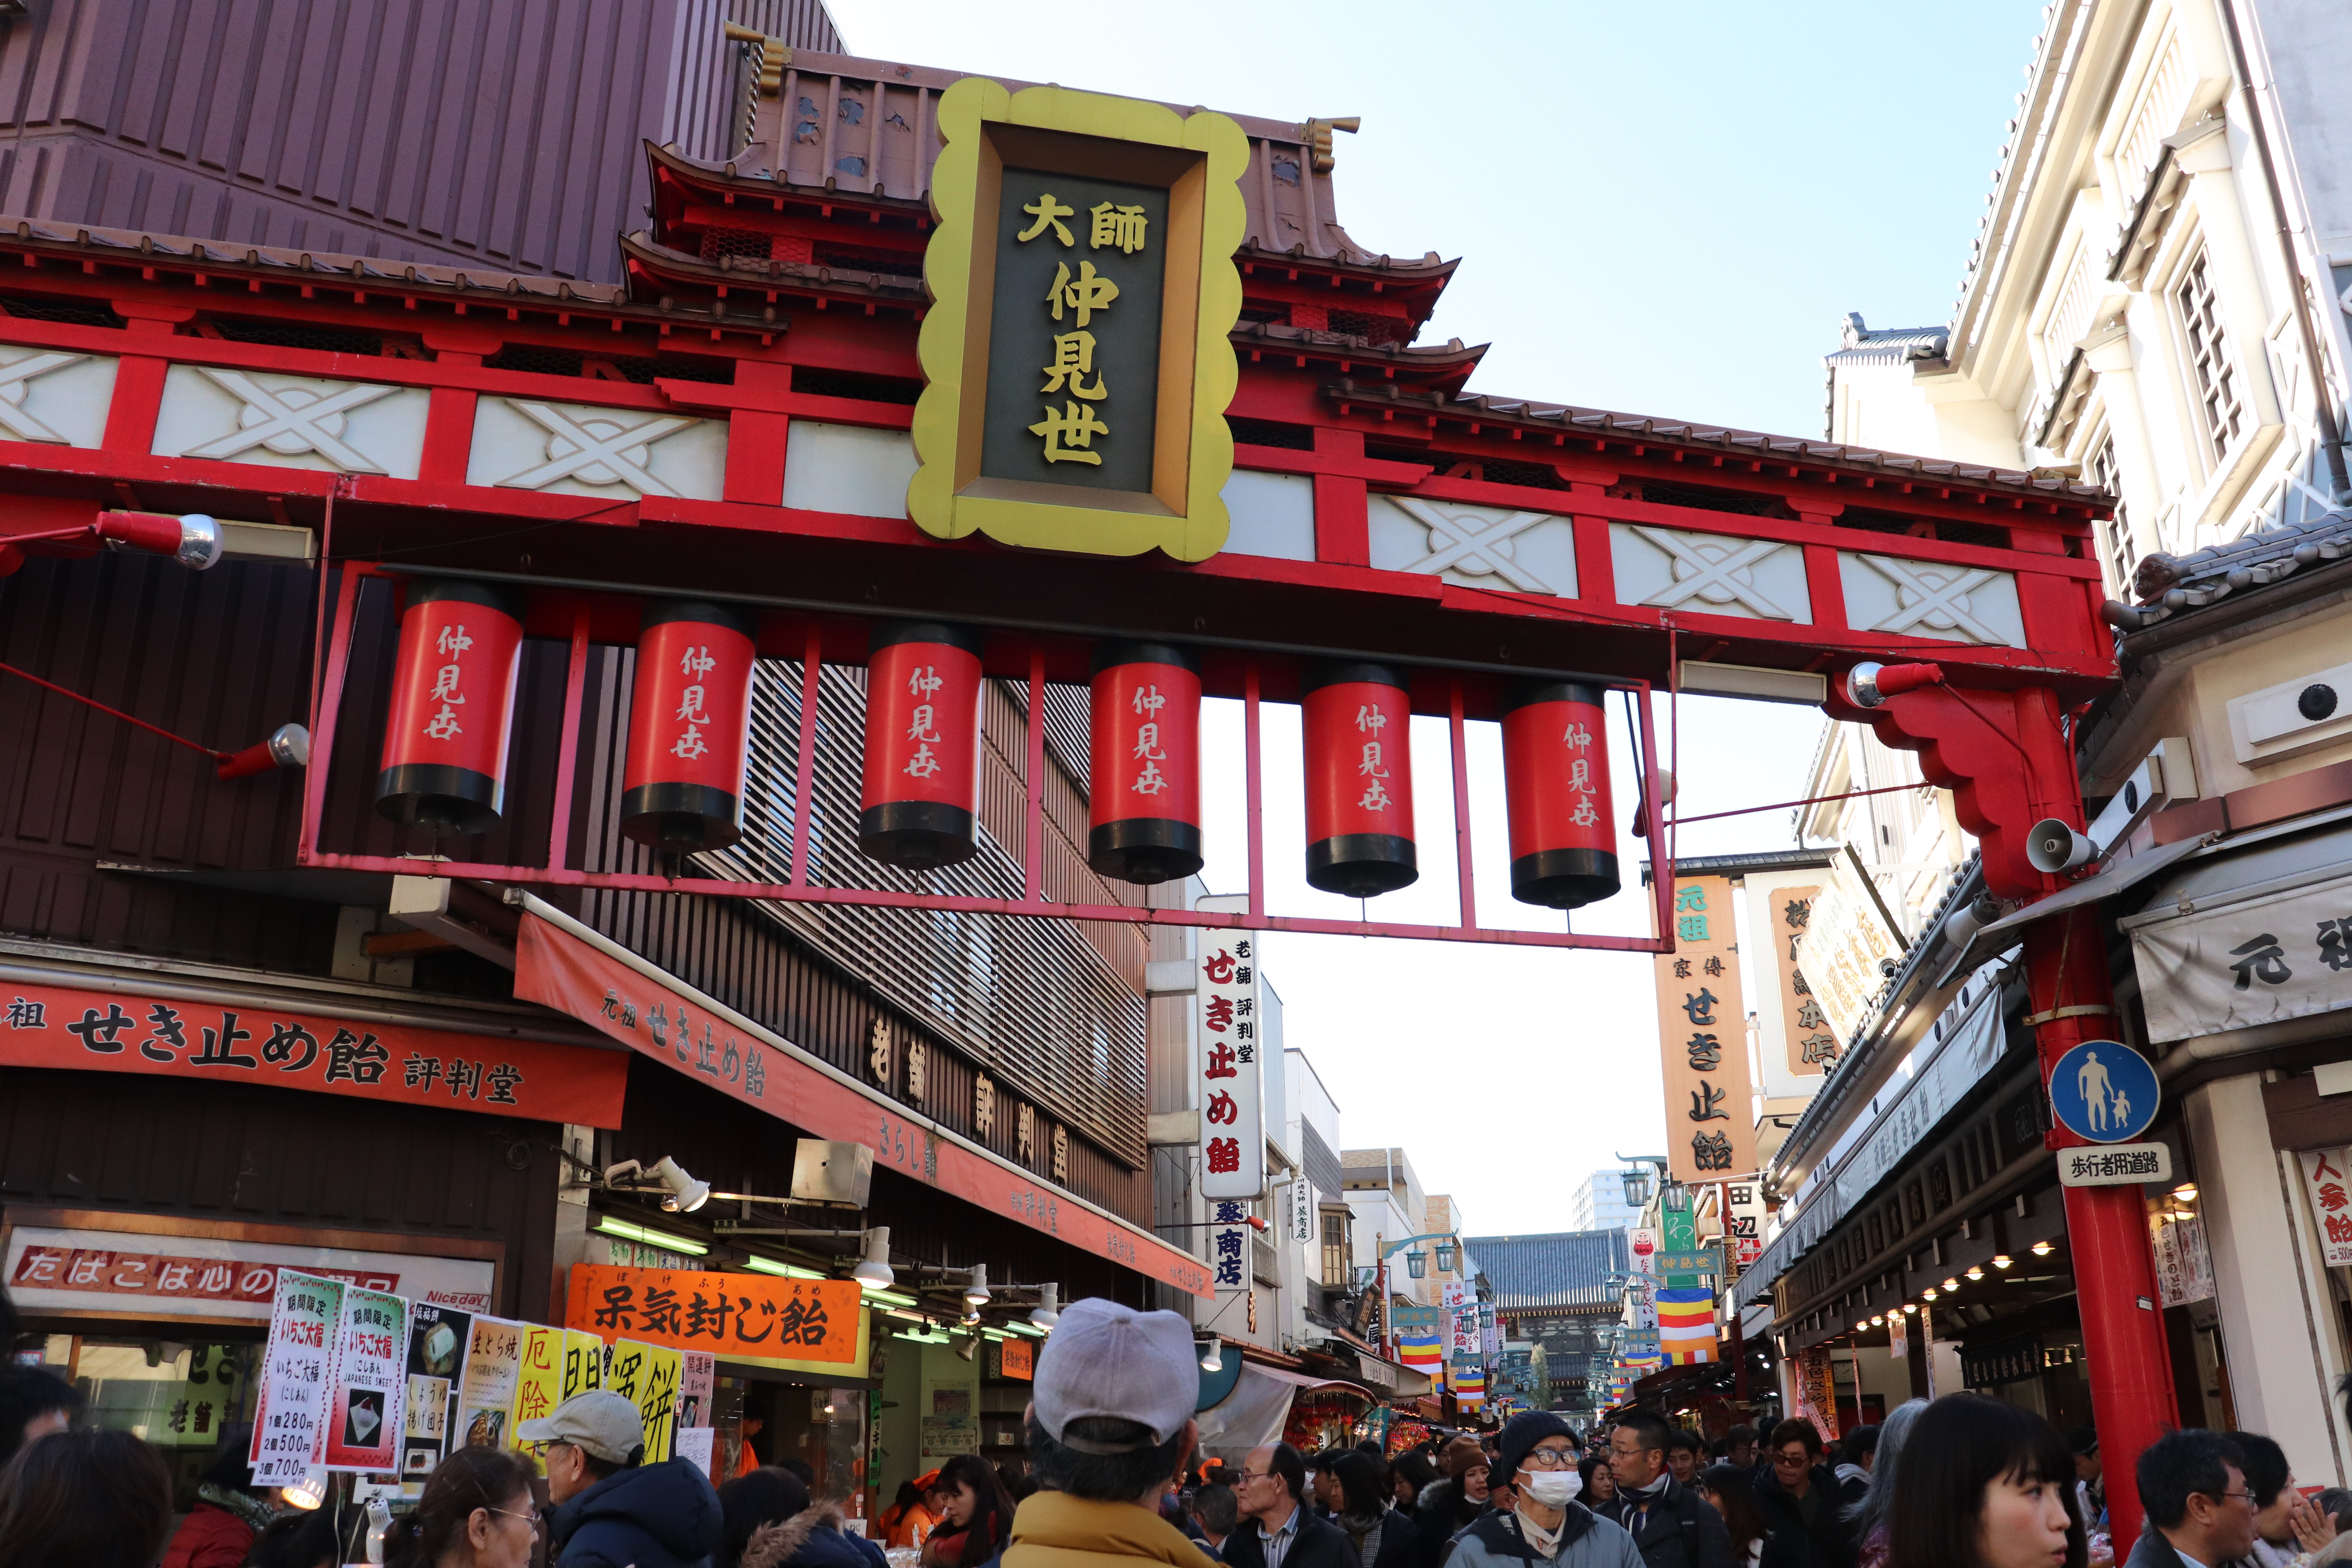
x,y
1551,1489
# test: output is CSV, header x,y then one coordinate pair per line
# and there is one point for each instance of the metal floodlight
x,y
1213,1355
873,1272
685,1193
1636,1180
968,1347
1049,1308
1416,1263
1445,1255
975,1290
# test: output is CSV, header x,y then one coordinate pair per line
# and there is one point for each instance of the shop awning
x,y
563,964
2008,931
1258,1409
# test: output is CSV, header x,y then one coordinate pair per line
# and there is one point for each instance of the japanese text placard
x,y
1703,1031
438,1338
1229,1059
297,1363
485,1390
647,1377
539,1381
44,1026
369,1385
731,1316
2327,1177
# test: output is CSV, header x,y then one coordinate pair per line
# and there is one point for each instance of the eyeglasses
x,y
1790,1461
2246,1498
1255,1475
1548,1459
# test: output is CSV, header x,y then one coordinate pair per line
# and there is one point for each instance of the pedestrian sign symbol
x,y
2104,1092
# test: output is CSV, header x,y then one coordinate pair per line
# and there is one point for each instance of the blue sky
x,y
1660,209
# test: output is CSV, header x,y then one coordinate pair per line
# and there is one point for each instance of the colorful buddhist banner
x,y
1703,1031
98,1030
689,1032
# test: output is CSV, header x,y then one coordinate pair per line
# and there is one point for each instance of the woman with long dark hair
x,y
1984,1484
978,1521
1382,1537
476,1512
1732,1490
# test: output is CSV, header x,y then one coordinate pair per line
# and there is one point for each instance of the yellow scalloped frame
x,y
1184,513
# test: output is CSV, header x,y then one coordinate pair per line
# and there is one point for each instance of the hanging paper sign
x,y
1233,1126
696,1447
583,1361
647,1377
2184,1271
1898,1337
2325,1178
538,1381
437,1341
486,1389
697,1375
296,1366
370,1383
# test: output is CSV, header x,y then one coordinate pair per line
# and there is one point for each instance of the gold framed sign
x,y
1076,356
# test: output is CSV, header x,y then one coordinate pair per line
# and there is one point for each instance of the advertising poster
x,y
695,1447
369,1383
583,1361
538,1381
437,1341
697,1375
740,1316
1702,1029
486,1389
2325,1178
296,1366
647,1376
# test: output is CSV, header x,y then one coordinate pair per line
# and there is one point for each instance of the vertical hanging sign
x,y
296,1365
1233,1128
1702,1030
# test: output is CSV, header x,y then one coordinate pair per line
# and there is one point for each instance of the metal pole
x,y
2132,1398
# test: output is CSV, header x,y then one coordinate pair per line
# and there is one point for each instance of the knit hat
x,y
1522,1434
1460,1457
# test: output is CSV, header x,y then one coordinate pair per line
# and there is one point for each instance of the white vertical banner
x,y
297,1365
1302,1212
1226,1055
1898,1336
2327,1177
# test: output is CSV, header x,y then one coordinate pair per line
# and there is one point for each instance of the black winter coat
x,y
1682,1529
1788,1542
1318,1544
655,1516
1444,1513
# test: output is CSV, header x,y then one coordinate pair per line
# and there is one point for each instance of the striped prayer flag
x,y
1423,1352
1686,1324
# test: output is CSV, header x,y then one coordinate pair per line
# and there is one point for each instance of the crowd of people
x,y
1114,1478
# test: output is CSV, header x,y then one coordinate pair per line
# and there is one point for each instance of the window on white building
x,y
2114,533
2211,367
1335,1247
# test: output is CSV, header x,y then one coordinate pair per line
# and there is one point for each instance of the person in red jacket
x,y
229,1515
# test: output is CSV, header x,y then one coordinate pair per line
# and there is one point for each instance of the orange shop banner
x,y
733,1316
107,1031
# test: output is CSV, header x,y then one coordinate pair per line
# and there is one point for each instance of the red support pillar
x,y
2130,1371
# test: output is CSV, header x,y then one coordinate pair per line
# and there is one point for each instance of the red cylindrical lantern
x,y
689,723
1359,780
1144,763
1555,787
920,808
453,686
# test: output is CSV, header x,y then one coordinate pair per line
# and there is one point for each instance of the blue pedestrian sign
x,y
2104,1090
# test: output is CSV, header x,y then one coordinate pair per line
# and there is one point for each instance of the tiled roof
x,y
1747,444
869,128
2169,585
1858,344
1565,1268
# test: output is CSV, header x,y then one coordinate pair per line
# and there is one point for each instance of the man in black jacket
x,y
1798,1499
1277,1530
2192,1487
1673,1525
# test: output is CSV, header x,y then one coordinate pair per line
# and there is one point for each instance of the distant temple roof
x,y
1564,1269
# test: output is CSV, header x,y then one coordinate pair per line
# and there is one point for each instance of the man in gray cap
x,y
1536,1517
1110,1425
611,1509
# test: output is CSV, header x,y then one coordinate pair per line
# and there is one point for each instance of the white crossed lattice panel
x,y
1710,574
1929,599
1475,546
54,396
291,421
525,444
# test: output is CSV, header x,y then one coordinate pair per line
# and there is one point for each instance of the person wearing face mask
x,y
1536,1517
1672,1524
1448,1505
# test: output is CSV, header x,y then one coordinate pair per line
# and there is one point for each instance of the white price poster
x,y
369,1383
296,1366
